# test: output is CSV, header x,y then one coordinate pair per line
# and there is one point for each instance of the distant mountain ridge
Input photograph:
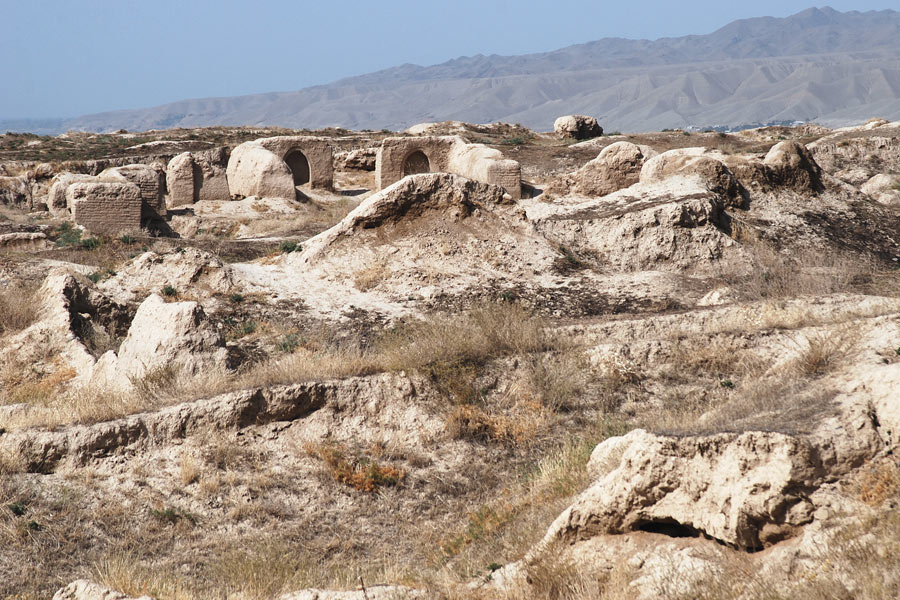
x,y
820,64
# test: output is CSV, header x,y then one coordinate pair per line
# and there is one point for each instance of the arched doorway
x,y
416,162
299,166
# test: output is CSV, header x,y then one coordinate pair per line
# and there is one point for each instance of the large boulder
x,y
693,163
164,335
579,127
793,165
618,166
105,208
255,171
883,188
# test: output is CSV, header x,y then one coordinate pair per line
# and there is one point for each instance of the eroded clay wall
x,y
318,151
105,208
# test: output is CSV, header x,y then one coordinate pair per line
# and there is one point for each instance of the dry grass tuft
x,y
366,279
354,468
876,484
18,309
823,351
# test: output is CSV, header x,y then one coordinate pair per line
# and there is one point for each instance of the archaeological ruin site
x,y
444,332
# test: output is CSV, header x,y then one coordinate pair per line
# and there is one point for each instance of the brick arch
x,y
416,161
298,163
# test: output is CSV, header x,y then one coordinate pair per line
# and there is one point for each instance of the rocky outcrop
x,y
883,188
616,167
174,336
16,191
184,268
255,171
694,163
578,127
792,165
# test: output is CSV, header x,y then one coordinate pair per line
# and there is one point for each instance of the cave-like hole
x,y
669,527
416,162
299,166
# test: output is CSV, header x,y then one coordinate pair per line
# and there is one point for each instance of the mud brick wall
x,y
105,208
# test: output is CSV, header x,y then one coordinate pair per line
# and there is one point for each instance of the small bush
x,y
287,247
169,291
91,243
289,343
236,298
127,239
357,471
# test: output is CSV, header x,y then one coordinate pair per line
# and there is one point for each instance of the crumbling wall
x,y
317,150
104,207
448,154
195,176
56,198
150,181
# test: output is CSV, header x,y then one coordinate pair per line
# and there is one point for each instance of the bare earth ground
x,y
411,397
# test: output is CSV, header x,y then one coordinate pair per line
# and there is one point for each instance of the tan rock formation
x,y
693,163
579,127
616,167
83,589
163,335
793,165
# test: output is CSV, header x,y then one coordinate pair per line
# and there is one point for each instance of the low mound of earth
x,y
669,371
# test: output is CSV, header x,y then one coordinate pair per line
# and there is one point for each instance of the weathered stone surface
x,y
256,171
399,157
579,127
362,159
83,589
616,167
174,335
746,489
105,208
16,191
691,162
150,181
793,165
24,241
56,198
883,188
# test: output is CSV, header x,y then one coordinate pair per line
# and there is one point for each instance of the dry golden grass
x,y
824,350
18,309
369,277
355,469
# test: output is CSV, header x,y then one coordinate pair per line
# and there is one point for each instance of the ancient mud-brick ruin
x,y
104,207
195,176
273,167
150,181
399,157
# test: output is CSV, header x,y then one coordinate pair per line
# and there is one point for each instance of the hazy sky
x,y
64,58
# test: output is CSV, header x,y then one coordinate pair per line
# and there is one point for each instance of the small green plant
x,y
514,141
172,515
95,276
289,343
236,298
287,247
68,235
127,239
685,133
17,508
34,526
247,327
91,243
508,296
727,383
169,291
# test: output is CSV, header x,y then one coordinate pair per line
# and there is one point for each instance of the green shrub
x,y
287,247
169,291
